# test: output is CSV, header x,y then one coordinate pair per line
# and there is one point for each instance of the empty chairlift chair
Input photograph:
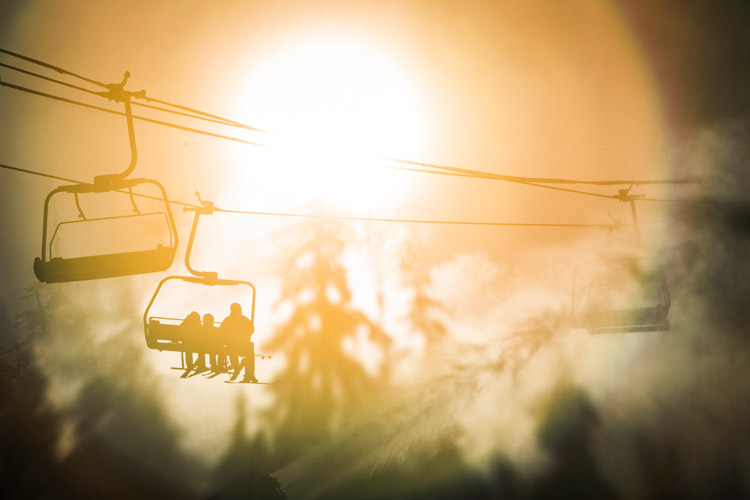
x,y
619,295
98,264
50,268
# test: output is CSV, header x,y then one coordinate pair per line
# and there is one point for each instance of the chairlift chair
x,y
165,333
619,295
57,269
54,269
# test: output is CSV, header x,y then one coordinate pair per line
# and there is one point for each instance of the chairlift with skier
x,y
176,333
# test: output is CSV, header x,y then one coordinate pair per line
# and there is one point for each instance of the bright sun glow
x,y
336,109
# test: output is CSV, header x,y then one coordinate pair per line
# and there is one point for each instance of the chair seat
x,y
103,266
642,319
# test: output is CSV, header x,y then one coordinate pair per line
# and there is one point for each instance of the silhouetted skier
x,y
190,328
237,330
206,343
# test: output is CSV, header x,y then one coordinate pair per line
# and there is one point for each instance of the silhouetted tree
x,y
423,310
322,377
245,455
119,416
122,443
565,431
29,427
253,485
435,474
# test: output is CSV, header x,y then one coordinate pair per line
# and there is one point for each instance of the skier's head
x,y
235,308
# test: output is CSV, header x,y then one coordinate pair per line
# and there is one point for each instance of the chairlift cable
x,y
498,177
540,180
697,200
55,68
448,170
137,117
469,173
407,221
204,115
50,79
487,176
323,217
40,174
218,120
438,169
533,181
190,115
192,112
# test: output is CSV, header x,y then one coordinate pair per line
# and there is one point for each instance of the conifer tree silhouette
x,y
244,452
29,428
121,442
423,309
321,379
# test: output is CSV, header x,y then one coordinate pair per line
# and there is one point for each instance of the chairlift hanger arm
x,y
117,92
207,207
624,196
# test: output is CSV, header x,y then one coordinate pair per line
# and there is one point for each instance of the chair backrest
x,y
109,264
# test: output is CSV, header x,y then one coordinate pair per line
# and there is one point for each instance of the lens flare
x,y
337,108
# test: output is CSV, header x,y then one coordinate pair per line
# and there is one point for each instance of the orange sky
x,y
522,89
537,88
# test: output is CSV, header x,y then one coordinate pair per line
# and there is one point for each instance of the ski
x,y
256,383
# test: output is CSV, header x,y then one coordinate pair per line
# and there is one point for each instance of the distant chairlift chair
x,y
620,296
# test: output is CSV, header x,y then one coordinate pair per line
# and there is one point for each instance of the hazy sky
x,y
527,89
582,90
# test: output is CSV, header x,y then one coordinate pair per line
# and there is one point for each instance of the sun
x,y
337,107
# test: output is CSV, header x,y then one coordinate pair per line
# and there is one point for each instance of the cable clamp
x,y
117,92
622,195
206,208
